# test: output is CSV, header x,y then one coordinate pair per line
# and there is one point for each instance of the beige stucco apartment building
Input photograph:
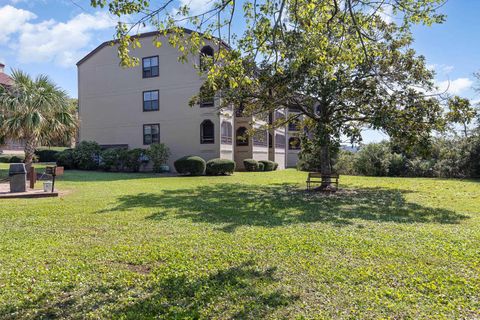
x,y
134,107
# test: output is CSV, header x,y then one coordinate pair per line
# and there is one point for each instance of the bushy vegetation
x,y
268,165
190,165
65,159
14,158
158,153
217,167
444,157
112,159
261,166
251,165
47,154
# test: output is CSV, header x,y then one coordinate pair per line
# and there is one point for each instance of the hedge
x,y
250,164
268,165
261,166
10,158
191,165
217,167
275,166
47,155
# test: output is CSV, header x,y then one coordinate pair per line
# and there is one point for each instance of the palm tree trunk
x,y
30,146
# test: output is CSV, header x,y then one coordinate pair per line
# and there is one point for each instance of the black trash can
x,y
18,177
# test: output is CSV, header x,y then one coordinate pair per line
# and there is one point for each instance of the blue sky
x,y
50,36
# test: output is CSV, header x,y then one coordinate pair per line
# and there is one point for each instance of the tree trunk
x,y
30,146
325,164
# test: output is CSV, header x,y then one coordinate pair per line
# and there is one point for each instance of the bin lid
x,y
17,168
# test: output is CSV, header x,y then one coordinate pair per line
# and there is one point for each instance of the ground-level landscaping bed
x,y
251,245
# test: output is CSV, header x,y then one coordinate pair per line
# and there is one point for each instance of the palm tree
x,y
35,111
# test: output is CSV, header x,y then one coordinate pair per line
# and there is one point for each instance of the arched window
x,y
226,132
242,138
206,54
207,132
294,143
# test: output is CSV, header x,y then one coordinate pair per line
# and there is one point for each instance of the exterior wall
x,y
111,102
292,158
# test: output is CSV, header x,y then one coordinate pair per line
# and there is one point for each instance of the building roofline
x,y
138,36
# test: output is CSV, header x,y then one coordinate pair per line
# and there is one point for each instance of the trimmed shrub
x,y
18,159
5,158
275,166
65,159
267,165
191,165
217,167
112,159
132,159
86,155
261,166
250,165
47,155
159,154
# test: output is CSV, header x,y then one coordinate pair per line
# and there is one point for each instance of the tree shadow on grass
x,y
229,206
239,292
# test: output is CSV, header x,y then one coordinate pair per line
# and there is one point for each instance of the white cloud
x,y
12,20
441,68
456,86
197,6
61,42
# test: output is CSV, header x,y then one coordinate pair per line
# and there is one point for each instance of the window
x,y
207,98
242,138
150,100
279,141
151,133
226,132
206,54
294,143
207,132
150,67
260,138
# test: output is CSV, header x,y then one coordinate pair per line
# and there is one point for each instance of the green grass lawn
x,y
252,245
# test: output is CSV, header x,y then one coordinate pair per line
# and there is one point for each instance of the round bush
x,y
192,165
268,165
217,167
17,159
275,166
5,158
250,165
261,166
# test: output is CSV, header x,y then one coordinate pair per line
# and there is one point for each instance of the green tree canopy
x,y
35,111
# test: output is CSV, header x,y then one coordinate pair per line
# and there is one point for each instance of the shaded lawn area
x,y
253,245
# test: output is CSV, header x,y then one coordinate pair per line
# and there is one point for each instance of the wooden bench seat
x,y
316,178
